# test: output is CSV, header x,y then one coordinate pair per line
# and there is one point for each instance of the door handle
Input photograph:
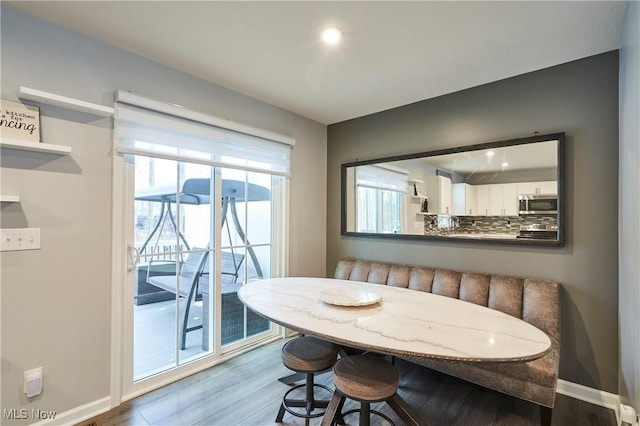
x,y
133,257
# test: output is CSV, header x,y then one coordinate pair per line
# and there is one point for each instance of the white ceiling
x,y
392,53
540,155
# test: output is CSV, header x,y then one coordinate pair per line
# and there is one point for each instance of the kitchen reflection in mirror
x,y
506,192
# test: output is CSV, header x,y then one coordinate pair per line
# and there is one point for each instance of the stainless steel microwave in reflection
x,y
537,204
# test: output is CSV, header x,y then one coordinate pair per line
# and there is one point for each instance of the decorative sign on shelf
x,y
19,121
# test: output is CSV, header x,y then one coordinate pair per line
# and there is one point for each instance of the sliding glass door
x,y
198,233
200,204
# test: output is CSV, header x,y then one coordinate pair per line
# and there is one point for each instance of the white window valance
x,y
382,177
144,126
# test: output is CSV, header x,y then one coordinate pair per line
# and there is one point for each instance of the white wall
x,y
629,210
55,302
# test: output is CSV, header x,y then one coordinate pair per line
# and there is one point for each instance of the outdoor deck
x,y
155,333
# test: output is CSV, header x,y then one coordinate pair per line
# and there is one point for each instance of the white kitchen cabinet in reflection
x,y
438,191
500,199
463,199
544,187
504,199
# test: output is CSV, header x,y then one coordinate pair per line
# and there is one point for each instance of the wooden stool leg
x,y
403,411
334,409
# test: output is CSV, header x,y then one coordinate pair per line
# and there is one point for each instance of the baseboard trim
x,y
590,395
78,414
573,390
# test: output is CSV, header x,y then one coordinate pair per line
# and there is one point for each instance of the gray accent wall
x,y
56,302
579,98
629,283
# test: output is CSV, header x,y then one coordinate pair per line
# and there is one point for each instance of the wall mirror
x,y
506,192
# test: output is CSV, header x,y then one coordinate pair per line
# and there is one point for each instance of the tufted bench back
x,y
532,300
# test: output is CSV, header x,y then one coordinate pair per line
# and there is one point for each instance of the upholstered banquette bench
x,y
532,300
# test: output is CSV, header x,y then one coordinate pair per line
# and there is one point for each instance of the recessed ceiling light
x,y
505,164
331,35
490,153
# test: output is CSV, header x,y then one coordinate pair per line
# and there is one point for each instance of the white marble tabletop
x,y
403,322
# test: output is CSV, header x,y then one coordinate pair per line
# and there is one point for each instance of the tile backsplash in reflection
x,y
437,225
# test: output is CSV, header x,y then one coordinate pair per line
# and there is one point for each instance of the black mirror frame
x,y
559,242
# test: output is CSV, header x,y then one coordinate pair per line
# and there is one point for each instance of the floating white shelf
x,y
415,181
65,102
35,146
421,197
9,198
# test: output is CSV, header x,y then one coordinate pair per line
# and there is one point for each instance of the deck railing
x,y
163,250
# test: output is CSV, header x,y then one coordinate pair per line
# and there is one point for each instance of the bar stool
x,y
366,379
307,355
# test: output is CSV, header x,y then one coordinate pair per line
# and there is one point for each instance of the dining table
x,y
395,321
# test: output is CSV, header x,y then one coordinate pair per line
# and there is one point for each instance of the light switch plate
x,y
19,239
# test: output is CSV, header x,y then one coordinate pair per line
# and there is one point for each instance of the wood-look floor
x,y
244,391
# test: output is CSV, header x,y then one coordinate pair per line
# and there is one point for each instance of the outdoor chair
x,y
192,287
185,287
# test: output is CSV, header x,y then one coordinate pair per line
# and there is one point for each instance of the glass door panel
x,y
154,310
255,323
173,237
247,213
195,218
258,213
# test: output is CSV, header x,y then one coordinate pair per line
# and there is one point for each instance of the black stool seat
x,y
366,379
307,355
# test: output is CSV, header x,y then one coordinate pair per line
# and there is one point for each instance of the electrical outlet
x,y
33,382
19,239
